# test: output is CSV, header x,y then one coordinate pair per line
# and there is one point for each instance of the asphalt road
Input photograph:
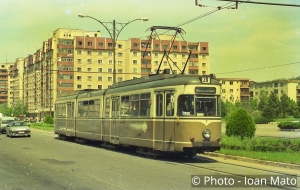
x,y
44,162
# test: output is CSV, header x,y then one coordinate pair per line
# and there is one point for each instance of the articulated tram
x,y
158,114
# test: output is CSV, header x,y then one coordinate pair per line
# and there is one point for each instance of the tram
x,y
158,114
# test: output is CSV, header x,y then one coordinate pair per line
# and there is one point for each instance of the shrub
x,y
48,119
289,125
263,120
241,124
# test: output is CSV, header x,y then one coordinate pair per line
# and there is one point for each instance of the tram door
x,y
165,121
70,123
115,117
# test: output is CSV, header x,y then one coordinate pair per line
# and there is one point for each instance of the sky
x,y
255,41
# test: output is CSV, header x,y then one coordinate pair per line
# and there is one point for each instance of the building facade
x,y
289,87
235,89
73,60
5,83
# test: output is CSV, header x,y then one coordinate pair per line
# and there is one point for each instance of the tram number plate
x,y
206,144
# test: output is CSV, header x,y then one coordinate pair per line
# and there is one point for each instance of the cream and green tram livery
x,y
159,114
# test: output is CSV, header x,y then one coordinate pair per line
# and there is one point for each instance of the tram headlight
x,y
206,133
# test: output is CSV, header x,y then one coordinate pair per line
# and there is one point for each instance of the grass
x,y
289,118
42,126
285,157
271,149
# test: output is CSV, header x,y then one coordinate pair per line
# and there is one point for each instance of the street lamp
x,y
114,34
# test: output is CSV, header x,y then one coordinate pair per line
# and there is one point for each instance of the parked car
x,y
17,128
4,121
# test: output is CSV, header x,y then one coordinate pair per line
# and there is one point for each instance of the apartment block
x,y
290,87
73,60
235,89
5,81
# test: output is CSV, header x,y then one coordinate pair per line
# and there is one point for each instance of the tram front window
x,y
193,105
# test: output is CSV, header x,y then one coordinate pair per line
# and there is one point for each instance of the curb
x,y
269,163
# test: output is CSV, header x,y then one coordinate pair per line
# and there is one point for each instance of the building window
x,y
99,78
174,47
110,45
89,52
120,54
109,78
156,46
193,72
79,78
135,70
184,47
223,90
79,86
155,54
134,53
165,46
110,53
204,48
89,86
119,79
203,64
79,52
100,44
99,61
174,55
79,60
174,63
134,62
89,61
80,43
110,62
183,55
120,62
231,82
99,86
203,56
89,78
120,70
135,45
109,70
155,62
231,90
89,69
90,43
99,52
79,69
99,70
203,72
120,46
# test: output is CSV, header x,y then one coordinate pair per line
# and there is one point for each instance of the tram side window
x,y
125,106
107,104
145,104
170,104
134,105
159,104
94,106
83,108
60,110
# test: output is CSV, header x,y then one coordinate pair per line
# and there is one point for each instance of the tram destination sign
x,y
205,90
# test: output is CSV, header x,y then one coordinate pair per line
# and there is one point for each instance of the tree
x,y
274,104
263,100
284,104
240,123
19,108
5,110
48,119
